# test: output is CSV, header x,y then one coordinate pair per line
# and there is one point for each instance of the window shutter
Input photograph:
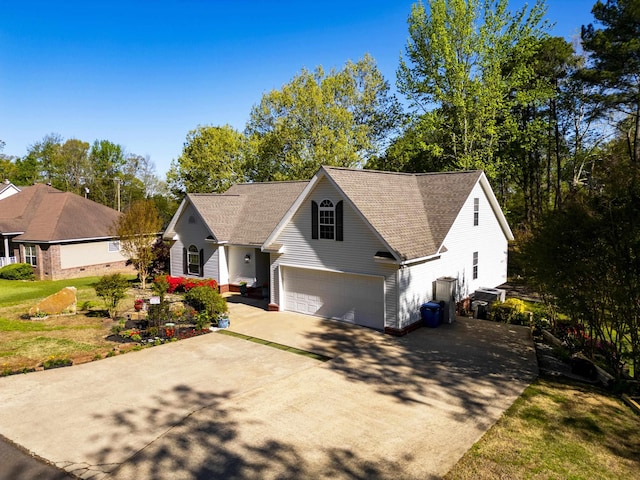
x,y
202,262
184,261
339,234
314,220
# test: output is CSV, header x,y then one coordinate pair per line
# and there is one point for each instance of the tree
x,y
71,165
464,58
341,118
212,160
43,156
112,289
614,65
107,160
586,256
137,230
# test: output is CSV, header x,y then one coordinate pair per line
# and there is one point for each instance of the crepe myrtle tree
x,y
137,229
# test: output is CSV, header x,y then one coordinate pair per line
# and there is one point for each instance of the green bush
x,y
206,300
112,289
510,311
17,271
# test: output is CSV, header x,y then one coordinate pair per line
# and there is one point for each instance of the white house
x,y
360,246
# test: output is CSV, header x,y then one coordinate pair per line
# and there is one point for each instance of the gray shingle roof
x,y
247,213
45,214
412,212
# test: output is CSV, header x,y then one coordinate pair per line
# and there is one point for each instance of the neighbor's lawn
x,y
557,431
25,344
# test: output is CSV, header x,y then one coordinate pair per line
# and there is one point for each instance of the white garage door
x,y
351,298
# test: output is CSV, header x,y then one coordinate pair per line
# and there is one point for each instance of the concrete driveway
x,y
218,407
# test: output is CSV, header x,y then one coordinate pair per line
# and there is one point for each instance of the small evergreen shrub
x,y
17,271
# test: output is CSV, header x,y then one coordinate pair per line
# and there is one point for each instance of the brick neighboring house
x,y
61,234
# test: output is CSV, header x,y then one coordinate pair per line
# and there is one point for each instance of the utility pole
x,y
117,180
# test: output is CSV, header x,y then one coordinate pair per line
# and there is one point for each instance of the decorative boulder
x,y
63,301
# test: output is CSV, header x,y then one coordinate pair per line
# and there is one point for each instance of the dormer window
x,y
326,220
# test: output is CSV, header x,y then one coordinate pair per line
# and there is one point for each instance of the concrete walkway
x,y
221,407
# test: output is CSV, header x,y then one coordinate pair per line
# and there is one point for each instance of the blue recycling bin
x,y
431,314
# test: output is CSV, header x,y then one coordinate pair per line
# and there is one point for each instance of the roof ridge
x,y
407,174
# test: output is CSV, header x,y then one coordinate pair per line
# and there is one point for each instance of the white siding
x,y
194,233
353,255
239,271
487,238
91,253
416,288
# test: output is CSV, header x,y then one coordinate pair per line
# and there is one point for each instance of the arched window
x,y
327,219
193,260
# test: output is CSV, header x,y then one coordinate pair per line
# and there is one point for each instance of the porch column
x,y
6,250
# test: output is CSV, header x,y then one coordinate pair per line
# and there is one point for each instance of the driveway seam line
x,y
279,346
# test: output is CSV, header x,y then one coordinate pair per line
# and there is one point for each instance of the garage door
x,y
350,298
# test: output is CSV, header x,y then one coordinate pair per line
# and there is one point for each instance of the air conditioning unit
x,y
490,295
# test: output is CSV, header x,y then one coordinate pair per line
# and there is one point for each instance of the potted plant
x,y
138,304
223,320
243,289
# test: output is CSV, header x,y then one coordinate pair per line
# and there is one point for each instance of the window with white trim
x,y
30,255
193,260
114,246
326,219
476,212
475,265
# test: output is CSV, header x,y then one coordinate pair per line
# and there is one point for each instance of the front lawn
x,y
26,344
557,430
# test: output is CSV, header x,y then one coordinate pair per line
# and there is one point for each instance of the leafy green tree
x,y
614,53
43,155
107,160
339,118
112,289
586,256
137,230
212,160
464,59
71,165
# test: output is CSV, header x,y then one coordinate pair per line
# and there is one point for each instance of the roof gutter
x,y
428,258
68,240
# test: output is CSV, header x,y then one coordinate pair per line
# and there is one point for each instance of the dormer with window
x,y
326,220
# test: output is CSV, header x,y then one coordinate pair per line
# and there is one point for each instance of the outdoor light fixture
x,y
247,258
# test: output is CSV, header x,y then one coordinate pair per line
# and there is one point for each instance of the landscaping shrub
x,y
510,311
112,289
17,271
182,284
207,301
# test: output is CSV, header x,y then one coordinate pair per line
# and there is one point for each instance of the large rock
x,y
62,302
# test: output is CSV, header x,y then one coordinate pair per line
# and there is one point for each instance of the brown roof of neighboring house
x,y
44,214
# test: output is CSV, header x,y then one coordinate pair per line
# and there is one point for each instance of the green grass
x,y
557,431
279,346
13,292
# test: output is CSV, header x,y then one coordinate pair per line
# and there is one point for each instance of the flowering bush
x,y
182,284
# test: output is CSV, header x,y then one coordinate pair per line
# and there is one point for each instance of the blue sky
x,y
144,73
